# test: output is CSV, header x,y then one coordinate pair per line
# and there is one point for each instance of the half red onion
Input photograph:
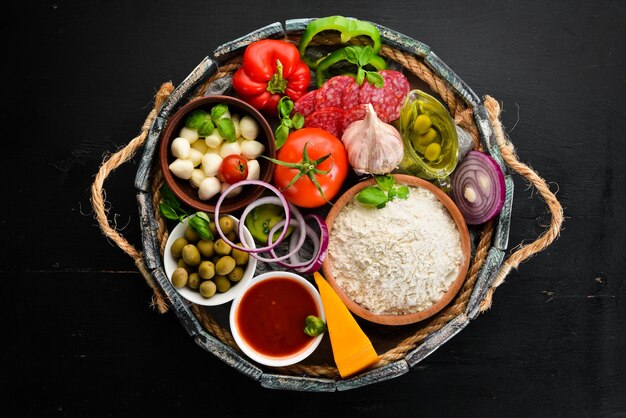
x,y
478,188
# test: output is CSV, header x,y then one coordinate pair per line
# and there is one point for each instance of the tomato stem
x,y
305,167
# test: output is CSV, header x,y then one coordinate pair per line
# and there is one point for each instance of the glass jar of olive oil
x,y
430,138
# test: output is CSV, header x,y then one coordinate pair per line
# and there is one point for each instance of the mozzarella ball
x,y
182,168
251,149
254,170
197,175
230,148
249,127
190,134
195,156
209,187
180,147
211,164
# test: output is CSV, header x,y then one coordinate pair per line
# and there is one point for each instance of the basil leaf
x,y
298,121
372,195
403,192
201,226
168,197
203,216
195,119
281,134
285,106
365,56
391,194
168,212
226,128
206,128
360,76
287,122
218,111
352,55
385,182
374,78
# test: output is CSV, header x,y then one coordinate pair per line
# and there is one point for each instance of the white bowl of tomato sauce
x,y
268,319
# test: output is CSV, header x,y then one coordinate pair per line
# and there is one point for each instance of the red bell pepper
x,y
270,70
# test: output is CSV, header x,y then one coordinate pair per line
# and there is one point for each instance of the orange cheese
x,y
352,350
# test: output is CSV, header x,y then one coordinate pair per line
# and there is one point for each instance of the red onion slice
x,y
298,223
321,253
294,248
478,188
274,200
247,248
320,245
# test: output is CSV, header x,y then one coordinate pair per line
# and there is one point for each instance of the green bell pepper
x,y
348,28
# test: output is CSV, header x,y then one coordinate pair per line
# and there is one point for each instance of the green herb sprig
x,y
287,122
206,123
361,56
384,191
171,209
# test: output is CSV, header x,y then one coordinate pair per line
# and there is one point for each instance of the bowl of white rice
x,y
401,263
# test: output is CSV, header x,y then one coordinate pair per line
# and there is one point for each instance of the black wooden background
x,y
79,338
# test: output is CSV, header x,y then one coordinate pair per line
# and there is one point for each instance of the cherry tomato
x,y
329,173
234,168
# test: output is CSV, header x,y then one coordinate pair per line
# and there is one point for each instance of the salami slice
x,y
350,96
305,105
329,118
331,93
386,100
358,113
399,87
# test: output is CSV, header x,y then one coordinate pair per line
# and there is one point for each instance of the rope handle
x,y
110,164
524,252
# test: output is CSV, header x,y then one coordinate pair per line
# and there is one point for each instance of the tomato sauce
x,y
271,316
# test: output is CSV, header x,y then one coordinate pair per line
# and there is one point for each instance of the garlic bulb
x,y
373,146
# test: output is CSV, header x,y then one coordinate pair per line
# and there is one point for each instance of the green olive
x,y
207,288
191,234
232,236
433,151
222,283
177,247
236,274
227,224
241,257
427,138
179,277
422,124
212,228
206,270
221,247
225,265
181,263
206,248
191,255
194,281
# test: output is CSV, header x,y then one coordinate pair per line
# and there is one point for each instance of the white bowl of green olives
x,y
208,272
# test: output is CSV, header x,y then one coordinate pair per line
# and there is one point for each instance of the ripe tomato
x,y
234,168
329,173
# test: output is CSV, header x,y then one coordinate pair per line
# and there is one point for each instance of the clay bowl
x,y
182,188
413,317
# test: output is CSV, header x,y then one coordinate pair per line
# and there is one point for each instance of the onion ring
x,y
247,249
